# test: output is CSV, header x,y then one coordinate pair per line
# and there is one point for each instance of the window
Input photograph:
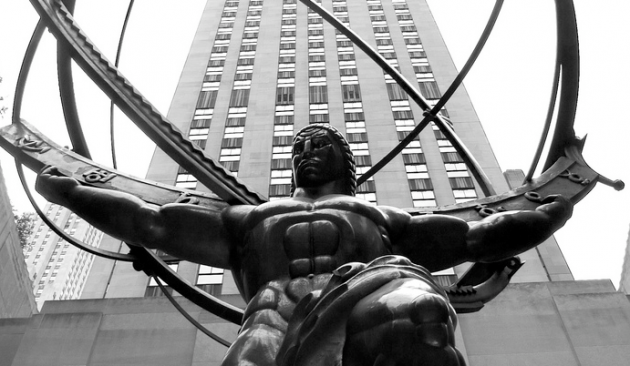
x,y
348,72
239,98
281,164
286,74
420,184
231,165
451,157
357,137
276,190
242,76
395,92
287,46
417,54
414,158
430,90
245,61
344,43
282,140
317,74
346,57
318,94
232,142
284,95
354,116
212,77
461,183
283,120
402,115
316,58
319,118
286,59
351,93
413,40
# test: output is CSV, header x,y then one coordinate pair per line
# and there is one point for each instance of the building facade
x,y
57,269
259,71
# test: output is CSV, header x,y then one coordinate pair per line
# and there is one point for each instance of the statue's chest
x,y
313,239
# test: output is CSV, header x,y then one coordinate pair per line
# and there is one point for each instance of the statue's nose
x,y
307,146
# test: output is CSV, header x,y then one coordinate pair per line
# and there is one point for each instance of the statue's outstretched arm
x,y
507,234
438,241
186,231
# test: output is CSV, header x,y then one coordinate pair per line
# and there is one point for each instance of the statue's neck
x,y
334,187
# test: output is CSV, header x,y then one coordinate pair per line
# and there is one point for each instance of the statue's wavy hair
x,y
350,188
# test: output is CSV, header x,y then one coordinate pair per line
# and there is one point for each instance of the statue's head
x,y
320,155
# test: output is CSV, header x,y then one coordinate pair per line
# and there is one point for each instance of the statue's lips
x,y
305,164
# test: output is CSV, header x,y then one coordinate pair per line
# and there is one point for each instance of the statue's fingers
x,y
50,170
551,198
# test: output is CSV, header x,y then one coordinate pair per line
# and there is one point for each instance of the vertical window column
x,y
318,90
459,177
200,126
280,182
356,132
421,187
232,142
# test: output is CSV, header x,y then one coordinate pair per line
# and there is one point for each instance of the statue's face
x,y
317,159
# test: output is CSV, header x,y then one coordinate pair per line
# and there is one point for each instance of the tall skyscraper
x,y
259,71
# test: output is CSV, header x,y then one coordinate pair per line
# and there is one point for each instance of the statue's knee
x,y
429,308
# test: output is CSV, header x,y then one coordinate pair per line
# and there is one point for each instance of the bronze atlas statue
x,y
329,279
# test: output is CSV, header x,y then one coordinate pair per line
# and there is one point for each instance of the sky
x,y
509,86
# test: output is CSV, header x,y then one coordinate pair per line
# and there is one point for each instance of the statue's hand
x,y
55,186
558,207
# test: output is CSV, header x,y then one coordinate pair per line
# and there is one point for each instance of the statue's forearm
x,y
186,231
507,234
121,215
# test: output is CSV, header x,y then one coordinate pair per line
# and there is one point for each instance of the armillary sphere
x,y
564,171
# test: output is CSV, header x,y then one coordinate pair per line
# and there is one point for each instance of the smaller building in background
x,y
16,299
57,268
624,283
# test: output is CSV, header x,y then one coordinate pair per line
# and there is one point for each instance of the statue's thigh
x,y
404,321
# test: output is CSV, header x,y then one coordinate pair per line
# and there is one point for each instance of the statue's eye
x,y
319,143
297,148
